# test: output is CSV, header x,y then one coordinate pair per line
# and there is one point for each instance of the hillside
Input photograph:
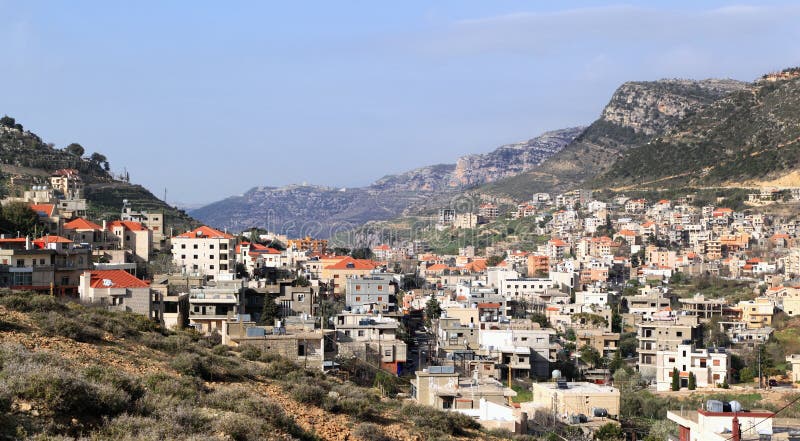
x,y
25,154
69,371
636,112
322,211
750,135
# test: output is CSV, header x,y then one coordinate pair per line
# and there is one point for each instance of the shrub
x,y
436,422
308,394
117,379
192,365
53,324
181,388
251,353
184,420
29,302
370,432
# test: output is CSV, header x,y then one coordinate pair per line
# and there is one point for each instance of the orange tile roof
x,y
128,225
43,209
205,232
81,224
51,239
488,305
627,233
383,247
558,243
348,263
115,279
476,266
436,267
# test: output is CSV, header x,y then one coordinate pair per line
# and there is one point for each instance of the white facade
x,y
709,366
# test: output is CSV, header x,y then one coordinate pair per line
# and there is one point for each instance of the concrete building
x,y
485,399
50,264
373,339
371,293
722,424
663,335
310,349
117,290
702,307
709,366
525,289
794,361
604,342
339,271
204,251
210,306
523,347
153,221
756,313
566,399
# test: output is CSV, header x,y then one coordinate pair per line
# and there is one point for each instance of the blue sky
x,y
209,99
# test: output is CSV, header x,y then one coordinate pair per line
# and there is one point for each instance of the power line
x,y
773,415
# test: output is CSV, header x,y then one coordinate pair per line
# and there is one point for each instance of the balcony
x,y
213,298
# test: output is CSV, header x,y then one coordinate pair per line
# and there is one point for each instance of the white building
x,y
525,288
709,366
204,251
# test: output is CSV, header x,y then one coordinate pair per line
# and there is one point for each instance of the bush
x,y
436,422
55,324
30,302
370,432
192,365
251,353
180,388
308,394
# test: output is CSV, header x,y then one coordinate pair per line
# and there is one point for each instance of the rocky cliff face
x,y
322,211
650,107
636,113
512,159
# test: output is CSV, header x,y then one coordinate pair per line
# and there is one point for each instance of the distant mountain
x,y
637,112
322,211
24,154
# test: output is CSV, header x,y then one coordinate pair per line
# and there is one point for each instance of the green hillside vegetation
x,y
604,141
24,153
753,133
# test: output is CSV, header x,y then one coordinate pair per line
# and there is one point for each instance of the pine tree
x,y
676,379
692,381
270,311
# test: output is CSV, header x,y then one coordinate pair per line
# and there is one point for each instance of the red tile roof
x,y
488,305
436,268
81,224
349,263
43,209
115,279
51,239
205,232
128,225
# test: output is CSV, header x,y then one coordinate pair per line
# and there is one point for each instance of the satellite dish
x,y
107,282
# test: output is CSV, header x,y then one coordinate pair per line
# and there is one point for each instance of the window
x,y
358,298
183,246
223,267
358,287
679,333
211,247
223,246
715,363
672,359
41,261
380,299
211,257
194,257
387,353
380,287
211,267
360,332
183,256
702,362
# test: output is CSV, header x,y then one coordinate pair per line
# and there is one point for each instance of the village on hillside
x,y
626,295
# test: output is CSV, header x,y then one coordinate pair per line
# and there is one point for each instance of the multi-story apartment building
x,y
50,264
210,306
371,338
371,294
756,313
204,251
664,335
604,342
153,221
709,366
702,307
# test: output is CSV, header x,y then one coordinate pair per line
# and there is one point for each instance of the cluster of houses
x,y
485,338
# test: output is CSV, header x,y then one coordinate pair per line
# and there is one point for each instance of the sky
x,y
208,99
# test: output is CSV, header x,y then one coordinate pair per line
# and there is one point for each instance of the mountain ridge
x,y
322,210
